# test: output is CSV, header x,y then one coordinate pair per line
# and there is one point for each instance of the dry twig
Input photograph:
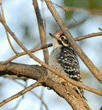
x,y
20,93
41,30
24,53
7,33
88,36
34,94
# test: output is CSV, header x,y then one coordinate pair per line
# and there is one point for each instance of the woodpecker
x,y
64,59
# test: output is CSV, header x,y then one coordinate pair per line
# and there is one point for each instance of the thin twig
x,y
12,77
34,94
24,53
88,36
78,50
100,29
41,97
50,68
20,93
7,33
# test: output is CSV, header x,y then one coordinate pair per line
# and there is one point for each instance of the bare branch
x,y
100,29
36,72
78,50
20,93
41,97
34,94
41,30
88,36
24,53
7,33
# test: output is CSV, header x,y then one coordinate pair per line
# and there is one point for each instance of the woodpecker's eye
x,y
65,41
62,38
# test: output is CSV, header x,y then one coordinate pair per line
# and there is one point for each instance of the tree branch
x,y
88,36
38,72
35,72
24,53
41,30
33,94
20,93
7,33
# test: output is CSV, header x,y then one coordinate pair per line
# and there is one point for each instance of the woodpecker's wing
x,y
69,62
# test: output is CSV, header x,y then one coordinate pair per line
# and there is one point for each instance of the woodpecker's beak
x,y
53,36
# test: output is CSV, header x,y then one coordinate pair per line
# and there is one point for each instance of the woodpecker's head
x,y
59,39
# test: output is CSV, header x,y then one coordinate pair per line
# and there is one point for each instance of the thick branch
x,y
36,72
41,30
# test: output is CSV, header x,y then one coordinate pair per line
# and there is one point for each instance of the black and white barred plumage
x,y
64,59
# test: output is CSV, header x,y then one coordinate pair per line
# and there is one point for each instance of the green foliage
x,y
88,4
69,14
94,4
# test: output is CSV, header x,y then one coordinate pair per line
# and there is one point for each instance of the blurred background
x,y
21,19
